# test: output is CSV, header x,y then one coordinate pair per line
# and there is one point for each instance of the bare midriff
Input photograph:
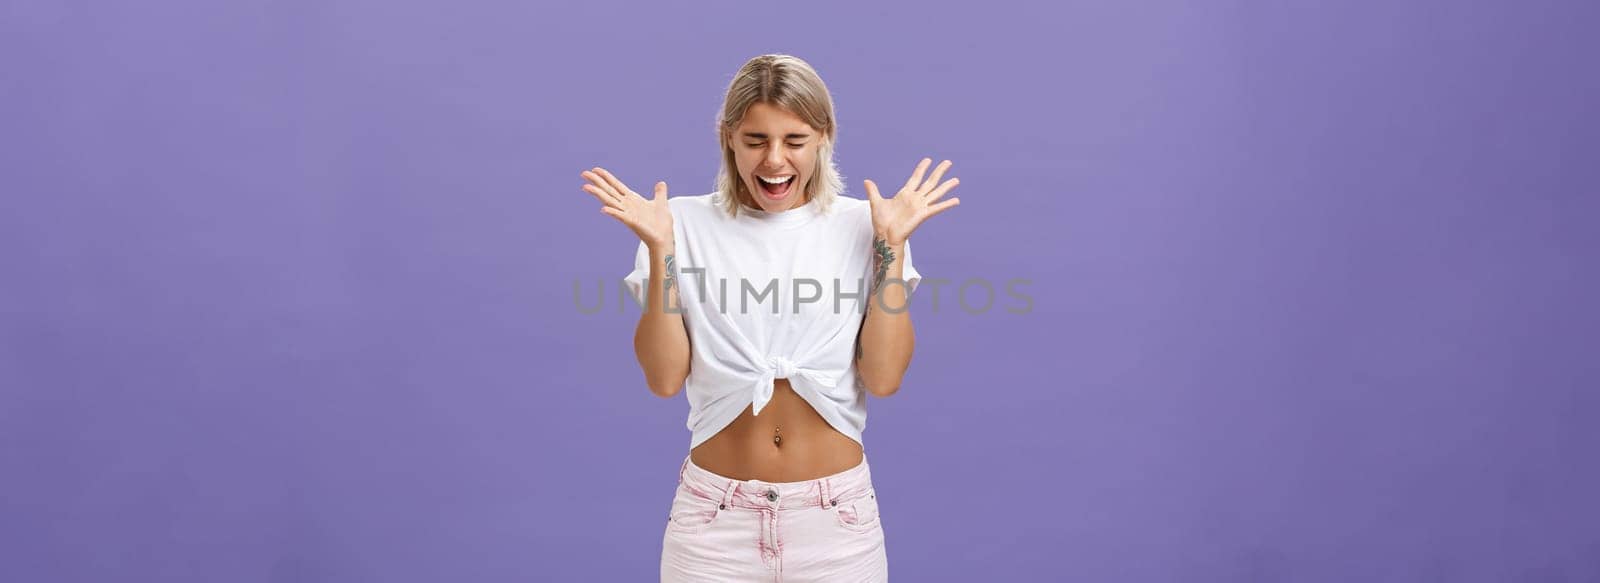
x,y
787,442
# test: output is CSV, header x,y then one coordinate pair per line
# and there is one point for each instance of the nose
x,y
774,157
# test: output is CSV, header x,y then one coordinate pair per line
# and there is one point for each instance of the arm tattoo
x,y
670,277
858,337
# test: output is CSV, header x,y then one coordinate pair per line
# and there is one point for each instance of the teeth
x,y
775,180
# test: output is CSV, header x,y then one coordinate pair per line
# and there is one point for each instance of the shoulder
x,y
850,204
693,203
850,210
695,209
852,213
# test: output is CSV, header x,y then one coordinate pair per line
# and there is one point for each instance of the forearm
x,y
887,337
661,343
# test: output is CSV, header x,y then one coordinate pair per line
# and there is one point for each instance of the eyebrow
x,y
764,136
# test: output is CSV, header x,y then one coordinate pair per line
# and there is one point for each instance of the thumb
x,y
661,191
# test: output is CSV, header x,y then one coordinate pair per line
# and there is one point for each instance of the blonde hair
x,y
791,84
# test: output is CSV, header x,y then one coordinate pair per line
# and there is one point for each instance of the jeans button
x,y
772,495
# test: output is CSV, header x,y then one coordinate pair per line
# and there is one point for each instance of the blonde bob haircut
x,y
791,84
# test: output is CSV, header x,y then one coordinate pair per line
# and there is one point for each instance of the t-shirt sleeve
x,y
909,271
640,276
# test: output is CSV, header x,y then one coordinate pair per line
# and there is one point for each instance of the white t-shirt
x,y
739,279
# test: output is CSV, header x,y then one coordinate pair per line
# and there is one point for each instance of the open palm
x,y
895,218
649,218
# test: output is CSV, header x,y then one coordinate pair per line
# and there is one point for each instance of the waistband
x,y
824,492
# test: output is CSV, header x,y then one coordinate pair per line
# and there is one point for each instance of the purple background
x,y
288,287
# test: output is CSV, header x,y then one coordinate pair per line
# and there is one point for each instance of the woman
x,y
778,305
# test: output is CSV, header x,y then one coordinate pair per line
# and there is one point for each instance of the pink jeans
x,y
722,529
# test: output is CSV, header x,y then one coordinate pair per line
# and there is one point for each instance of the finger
x,y
938,172
604,197
941,207
943,188
661,191
872,191
916,177
600,182
619,215
617,184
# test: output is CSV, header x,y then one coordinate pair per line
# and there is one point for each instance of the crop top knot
x,y
769,296
779,367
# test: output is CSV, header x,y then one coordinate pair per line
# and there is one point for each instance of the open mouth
x,y
775,187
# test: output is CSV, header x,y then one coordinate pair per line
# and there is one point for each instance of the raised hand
x,y
895,218
649,218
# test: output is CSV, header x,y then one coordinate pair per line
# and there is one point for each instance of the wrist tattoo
x,y
882,256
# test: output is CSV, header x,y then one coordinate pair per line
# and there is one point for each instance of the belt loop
x,y
727,495
683,468
827,492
